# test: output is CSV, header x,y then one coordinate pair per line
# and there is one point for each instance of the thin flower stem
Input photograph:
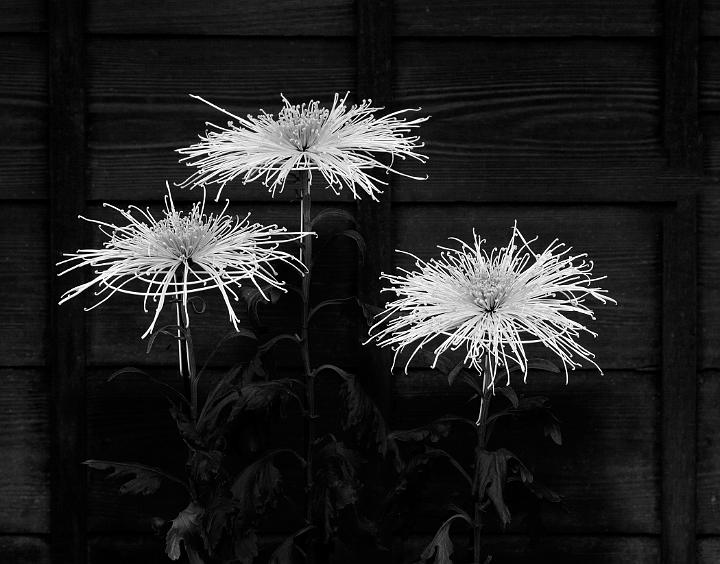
x,y
482,439
311,416
186,352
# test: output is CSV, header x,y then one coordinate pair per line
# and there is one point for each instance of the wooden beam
x,y
682,136
67,339
679,393
374,80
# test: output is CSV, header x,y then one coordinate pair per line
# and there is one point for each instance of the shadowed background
x,y
581,119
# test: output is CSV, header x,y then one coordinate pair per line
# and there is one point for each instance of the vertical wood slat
x,y
683,140
679,392
66,356
374,80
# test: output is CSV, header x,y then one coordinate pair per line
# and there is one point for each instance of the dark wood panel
x,y
140,111
709,277
114,329
708,550
528,18
24,550
23,283
623,242
559,549
223,17
532,113
603,418
708,469
710,17
23,113
25,446
23,16
709,71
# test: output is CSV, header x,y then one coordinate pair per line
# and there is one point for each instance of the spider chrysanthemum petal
x,y
342,144
490,305
182,254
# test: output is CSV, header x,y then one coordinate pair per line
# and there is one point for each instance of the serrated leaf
x,y
492,475
182,530
332,213
137,479
262,395
441,547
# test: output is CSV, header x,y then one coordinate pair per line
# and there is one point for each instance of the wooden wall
x,y
594,121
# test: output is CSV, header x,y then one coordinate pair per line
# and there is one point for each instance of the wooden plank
x,y
25,550
25,444
679,381
709,277
114,329
140,111
711,142
374,81
539,113
23,283
23,113
224,17
528,18
22,16
622,240
710,18
680,100
709,70
708,454
67,338
560,549
708,550
603,419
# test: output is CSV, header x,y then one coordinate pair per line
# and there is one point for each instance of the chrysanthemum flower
x,y
182,254
492,305
340,143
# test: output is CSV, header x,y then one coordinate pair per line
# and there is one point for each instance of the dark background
x,y
594,121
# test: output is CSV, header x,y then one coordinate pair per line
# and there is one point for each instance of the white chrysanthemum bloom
x,y
340,143
182,254
492,305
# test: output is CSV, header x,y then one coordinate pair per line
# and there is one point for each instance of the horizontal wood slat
x,y
24,443
23,284
708,469
223,17
533,113
140,111
528,18
23,114
20,16
623,241
25,550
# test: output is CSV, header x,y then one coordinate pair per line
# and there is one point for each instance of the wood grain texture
x,y
224,17
623,241
710,18
709,277
603,419
528,18
709,71
23,283
23,113
25,550
708,550
140,111
21,16
708,454
114,329
679,383
537,113
25,447
680,100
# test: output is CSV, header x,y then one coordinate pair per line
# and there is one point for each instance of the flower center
x,y
301,124
489,291
180,235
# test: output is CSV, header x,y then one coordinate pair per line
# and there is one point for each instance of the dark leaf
x,y
136,478
327,303
254,297
331,213
441,547
359,241
339,371
440,453
362,415
245,544
438,429
542,491
184,527
215,520
455,371
262,395
510,394
170,392
174,331
283,553
492,475
240,332
205,465
369,311
270,343
552,430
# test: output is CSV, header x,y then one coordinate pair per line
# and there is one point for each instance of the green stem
x,y
482,439
311,416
